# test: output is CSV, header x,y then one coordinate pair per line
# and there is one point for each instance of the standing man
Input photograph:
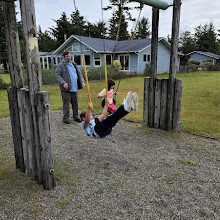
x,y
70,80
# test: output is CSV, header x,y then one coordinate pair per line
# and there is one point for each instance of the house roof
x,y
208,54
97,44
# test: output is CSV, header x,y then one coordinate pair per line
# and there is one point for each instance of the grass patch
x,y
62,203
5,77
200,111
101,189
188,162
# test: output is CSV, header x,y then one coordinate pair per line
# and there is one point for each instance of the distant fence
x,y
187,68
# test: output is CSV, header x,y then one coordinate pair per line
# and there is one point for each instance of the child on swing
x,y
111,93
100,127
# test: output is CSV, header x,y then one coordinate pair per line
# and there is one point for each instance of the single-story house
x,y
204,56
93,49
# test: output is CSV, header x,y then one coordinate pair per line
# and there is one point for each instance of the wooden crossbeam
x,y
154,3
8,0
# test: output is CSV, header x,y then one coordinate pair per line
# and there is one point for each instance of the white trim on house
x,y
162,38
138,62
83,43
68,41
144,48
201,53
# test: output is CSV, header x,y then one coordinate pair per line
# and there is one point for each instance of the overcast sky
x,y
193,13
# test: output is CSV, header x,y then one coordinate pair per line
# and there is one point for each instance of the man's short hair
x,y
65,52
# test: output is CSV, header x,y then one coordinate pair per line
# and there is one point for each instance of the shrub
x,y
206,65
193,62
98,73
95,73
215,67
48,77
147,70
116,64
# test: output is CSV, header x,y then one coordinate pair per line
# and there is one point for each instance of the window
x,y
97,59
87,60
108,59
75,47
58,60
54,61
146,58
122,59
77,59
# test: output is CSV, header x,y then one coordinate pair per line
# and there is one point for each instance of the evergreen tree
x,y
143,29
187,42
206,38
3,51
62,28
46,43
78,24
97,30
114,21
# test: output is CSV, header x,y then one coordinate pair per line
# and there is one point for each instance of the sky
x,y
193,13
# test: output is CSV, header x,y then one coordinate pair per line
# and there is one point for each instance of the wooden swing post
x,y
29,108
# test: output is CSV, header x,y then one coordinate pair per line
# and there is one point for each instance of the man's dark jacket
x,y
63,76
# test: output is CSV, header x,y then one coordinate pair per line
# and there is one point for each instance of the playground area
x,y
137,173
147,169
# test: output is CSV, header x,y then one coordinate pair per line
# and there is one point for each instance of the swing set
x,y
114,51
30,107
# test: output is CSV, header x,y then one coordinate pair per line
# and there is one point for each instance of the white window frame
x,y
124,55
96,59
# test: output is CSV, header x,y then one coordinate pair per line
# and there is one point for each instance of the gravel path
x,y
136,173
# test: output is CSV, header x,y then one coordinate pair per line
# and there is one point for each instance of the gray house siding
x,y
163,59
201,58
141,64
133,58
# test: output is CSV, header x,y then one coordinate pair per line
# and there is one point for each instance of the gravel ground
x,y
136,173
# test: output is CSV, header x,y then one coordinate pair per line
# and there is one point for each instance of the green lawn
x,y
200,102
5,77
